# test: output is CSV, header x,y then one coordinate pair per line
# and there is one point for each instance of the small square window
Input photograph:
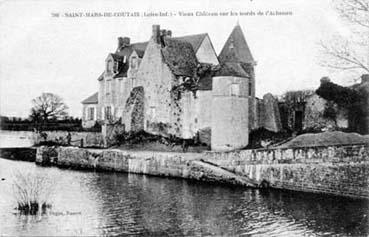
x,y
235,90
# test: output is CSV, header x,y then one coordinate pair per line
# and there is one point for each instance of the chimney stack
x,y
365,78
156,33
325,80
163,32
123,42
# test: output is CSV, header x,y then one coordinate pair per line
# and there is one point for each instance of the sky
x,y
65,55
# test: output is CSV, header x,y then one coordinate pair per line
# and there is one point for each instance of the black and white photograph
x,y
184,118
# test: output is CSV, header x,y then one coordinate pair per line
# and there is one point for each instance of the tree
x,y
349,53
48,106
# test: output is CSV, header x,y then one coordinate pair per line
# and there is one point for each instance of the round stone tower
x,y
229,117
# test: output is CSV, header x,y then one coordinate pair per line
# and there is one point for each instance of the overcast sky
x,y
40,53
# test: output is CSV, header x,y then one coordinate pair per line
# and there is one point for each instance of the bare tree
x,y
355,11
352,53
48,106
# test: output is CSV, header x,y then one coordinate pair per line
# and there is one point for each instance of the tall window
x,y
108,114
91,113
134,62
109,66
108,87
250,89
153,112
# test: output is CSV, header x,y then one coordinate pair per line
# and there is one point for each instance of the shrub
x,y
32,192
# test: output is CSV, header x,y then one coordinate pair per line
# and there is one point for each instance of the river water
x,y
98,203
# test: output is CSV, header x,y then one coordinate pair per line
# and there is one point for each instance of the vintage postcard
x,y
184,118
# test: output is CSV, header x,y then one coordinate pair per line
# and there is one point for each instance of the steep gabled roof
x,y
93,99
236,49
140,48
179,56
194,40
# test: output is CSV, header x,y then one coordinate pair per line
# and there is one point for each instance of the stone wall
x,y
338,170
157,79
90,139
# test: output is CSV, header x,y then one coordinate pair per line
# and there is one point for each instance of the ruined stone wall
x,y
161,106
314,118
270,114
230,127
109,133
90,139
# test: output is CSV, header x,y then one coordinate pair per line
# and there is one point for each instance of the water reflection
x,y
88,203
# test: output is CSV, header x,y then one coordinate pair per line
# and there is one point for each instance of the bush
x,y
32,192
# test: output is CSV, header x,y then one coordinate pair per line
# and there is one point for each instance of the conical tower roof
x,y
236,49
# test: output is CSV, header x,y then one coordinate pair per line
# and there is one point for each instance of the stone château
x,y
179,86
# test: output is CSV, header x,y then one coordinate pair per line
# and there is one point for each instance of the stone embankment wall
x,y
338,170
90,139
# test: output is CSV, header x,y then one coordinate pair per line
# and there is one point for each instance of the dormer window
x,y
231,45
109,66
116,67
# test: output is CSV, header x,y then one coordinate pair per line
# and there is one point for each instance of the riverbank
x,y
337,170
19,153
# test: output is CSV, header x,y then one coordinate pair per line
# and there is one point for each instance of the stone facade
x,y
177,97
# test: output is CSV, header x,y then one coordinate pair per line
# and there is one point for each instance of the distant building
x,y
89,111
179,86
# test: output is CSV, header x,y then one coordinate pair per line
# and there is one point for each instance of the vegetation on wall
x,y
345,98
201,79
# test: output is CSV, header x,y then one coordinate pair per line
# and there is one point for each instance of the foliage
x,y
32,192
67,124
343,96
295,97
202,71
330,112
142,139
346,98
48,106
